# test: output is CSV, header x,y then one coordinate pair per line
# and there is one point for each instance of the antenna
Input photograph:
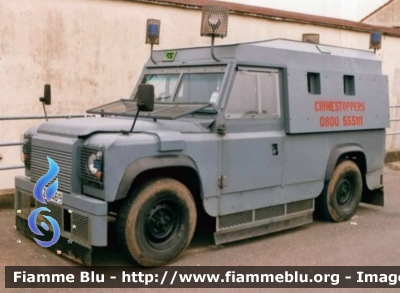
x,y
214,23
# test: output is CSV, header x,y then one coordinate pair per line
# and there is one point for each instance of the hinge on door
x,y
221,129
222,181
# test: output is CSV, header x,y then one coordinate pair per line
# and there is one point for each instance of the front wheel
x,y
342,195
157,223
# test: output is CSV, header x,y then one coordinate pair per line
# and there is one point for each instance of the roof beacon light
x,y
375,40
214,23
153,34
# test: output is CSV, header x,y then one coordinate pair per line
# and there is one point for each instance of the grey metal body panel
x,y
303,117
169,140
310,153
248,161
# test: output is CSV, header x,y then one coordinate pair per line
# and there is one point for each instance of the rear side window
x,y
314,83
254,95
349,85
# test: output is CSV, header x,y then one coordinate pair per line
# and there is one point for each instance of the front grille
x,y
56,212
73,225
26,152
23,204
80,228
40,166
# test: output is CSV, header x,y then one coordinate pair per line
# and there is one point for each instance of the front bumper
x,y
82,219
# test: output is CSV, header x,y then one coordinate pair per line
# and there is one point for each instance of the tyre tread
x,y
134,201
322,203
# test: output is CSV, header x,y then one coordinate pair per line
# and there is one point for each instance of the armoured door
x,y
252,152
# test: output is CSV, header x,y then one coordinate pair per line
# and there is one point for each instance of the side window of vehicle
x,y
254,95
198,87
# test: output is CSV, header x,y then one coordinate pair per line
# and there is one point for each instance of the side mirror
x,y
47,95
145,98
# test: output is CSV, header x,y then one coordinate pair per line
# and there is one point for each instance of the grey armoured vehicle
x,y
259,140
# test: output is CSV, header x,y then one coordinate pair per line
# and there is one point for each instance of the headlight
x,y
26,152
91,169
95,164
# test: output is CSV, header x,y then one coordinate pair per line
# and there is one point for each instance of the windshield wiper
x,y
163,98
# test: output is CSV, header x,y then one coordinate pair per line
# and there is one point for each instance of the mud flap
x,y
373,197
73,251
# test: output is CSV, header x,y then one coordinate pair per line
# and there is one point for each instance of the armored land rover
x,y
258,136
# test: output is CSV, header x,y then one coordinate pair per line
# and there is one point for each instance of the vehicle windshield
x,y
185,88
164,85
176,95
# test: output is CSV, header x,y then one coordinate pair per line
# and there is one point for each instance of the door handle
x,y
275,149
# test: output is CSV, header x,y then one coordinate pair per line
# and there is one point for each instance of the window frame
x,y
257,71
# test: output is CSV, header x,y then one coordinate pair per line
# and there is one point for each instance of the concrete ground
x,y
370,238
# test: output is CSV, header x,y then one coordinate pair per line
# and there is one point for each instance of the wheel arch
x,y
180,167
353,152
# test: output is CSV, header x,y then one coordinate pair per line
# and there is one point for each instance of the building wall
x,y
92,52
351,10
388,15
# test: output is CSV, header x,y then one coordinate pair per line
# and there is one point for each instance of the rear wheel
x,y
342,195
157,223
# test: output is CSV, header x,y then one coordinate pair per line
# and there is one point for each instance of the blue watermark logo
x,y
43,195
